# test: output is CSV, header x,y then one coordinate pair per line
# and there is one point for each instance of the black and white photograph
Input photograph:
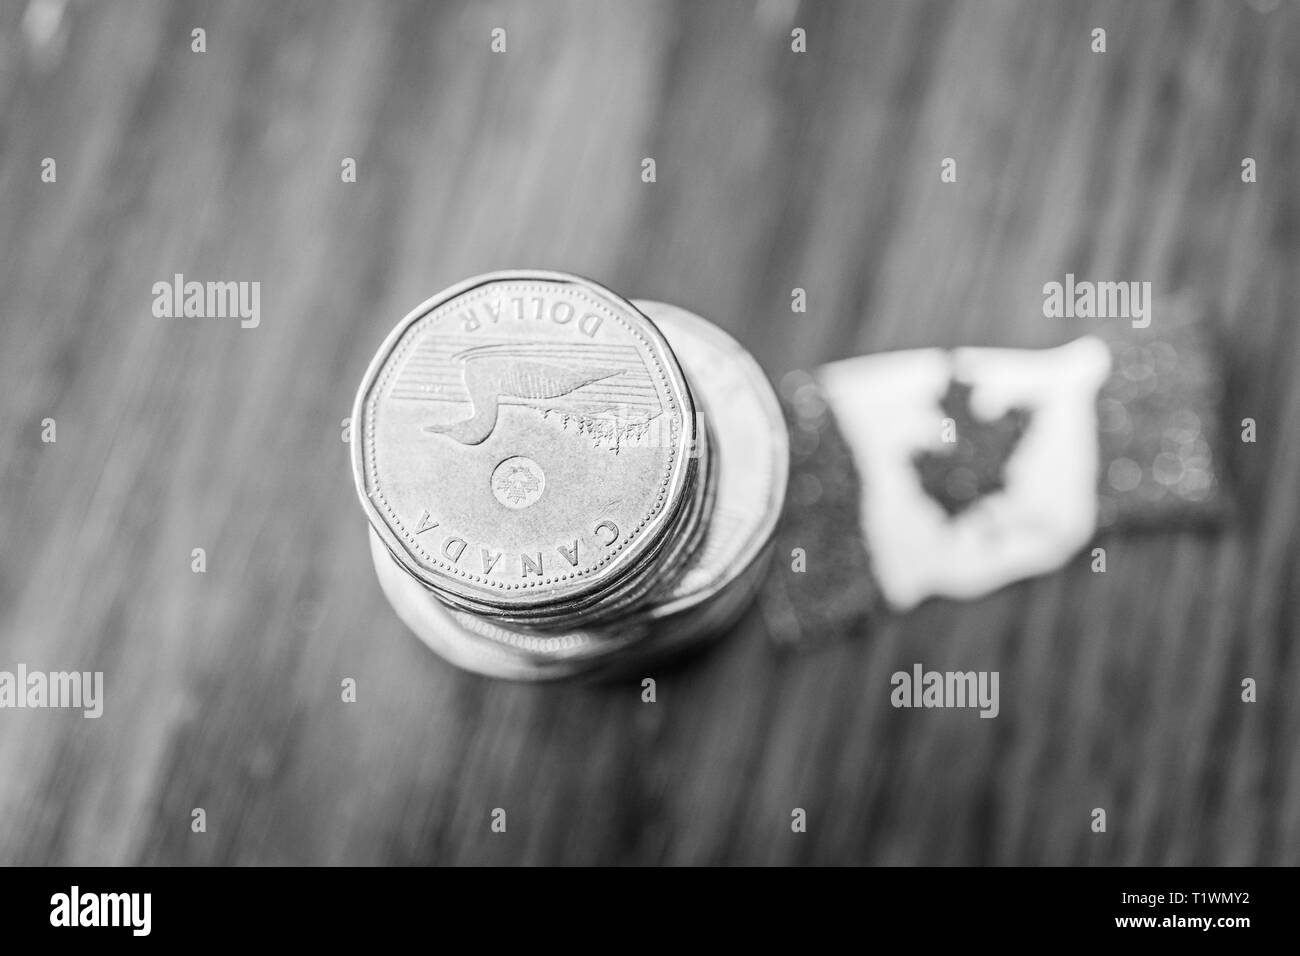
x,y
650,434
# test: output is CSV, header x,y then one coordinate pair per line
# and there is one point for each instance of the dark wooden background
x,y
775,170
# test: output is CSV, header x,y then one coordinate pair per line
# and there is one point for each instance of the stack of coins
x,y
562,482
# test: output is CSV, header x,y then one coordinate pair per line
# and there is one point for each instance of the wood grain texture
x,y
775,170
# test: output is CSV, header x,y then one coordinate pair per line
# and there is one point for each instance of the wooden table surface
x,y
774,170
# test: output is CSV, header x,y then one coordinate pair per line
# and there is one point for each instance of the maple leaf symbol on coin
x,y
518,483
495,372
972,466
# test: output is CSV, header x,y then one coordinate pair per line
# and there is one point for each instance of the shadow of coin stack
x,y
561,482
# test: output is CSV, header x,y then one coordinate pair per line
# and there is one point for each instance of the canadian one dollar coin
x,y
525,447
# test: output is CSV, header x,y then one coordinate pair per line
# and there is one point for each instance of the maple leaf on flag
x,y
972,466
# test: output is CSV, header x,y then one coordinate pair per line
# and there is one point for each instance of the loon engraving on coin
x,y
561,378
531,373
